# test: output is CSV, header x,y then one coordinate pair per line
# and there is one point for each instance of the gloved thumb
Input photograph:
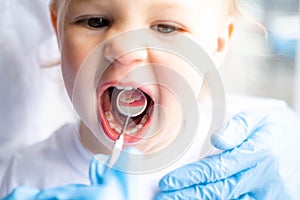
x,y
22,192
235,131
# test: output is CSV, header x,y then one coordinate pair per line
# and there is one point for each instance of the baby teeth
x,y
131,132
109,116
139,126
110,119
112,125
126,99
144,119
128,88
118,130
138,98
130,98
119,87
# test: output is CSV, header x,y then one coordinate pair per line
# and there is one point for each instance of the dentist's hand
x,y
112,186
261,161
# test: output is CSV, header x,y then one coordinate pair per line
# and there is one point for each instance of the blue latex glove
x,y
265,165
112,186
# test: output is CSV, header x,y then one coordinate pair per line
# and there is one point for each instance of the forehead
x,y
179,4
209,10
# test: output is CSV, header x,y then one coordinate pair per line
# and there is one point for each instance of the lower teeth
x,y
109,116
144,119
116,128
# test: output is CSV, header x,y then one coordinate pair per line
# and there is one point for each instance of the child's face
x,y
87,23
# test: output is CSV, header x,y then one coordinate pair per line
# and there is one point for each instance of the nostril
x,y
133,56
125,58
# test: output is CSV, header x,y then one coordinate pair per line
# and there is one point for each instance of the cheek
x,y
208,40
73,53
174,76
178,73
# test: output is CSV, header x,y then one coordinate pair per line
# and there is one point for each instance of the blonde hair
x,y
233,7
236,11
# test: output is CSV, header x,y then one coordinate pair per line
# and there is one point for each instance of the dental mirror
x,y
131,103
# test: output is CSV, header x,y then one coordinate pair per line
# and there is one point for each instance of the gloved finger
x,y
238,129
97,168
247,196
23,192
64,192
231,188
79,191
215,167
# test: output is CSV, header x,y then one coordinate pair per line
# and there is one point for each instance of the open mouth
x,y
113,121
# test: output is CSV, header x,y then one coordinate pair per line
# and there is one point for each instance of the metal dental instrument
x,y
125,105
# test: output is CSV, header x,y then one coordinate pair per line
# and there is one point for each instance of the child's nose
x,y
125,51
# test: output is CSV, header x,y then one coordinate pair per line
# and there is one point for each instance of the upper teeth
x,y
125,88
